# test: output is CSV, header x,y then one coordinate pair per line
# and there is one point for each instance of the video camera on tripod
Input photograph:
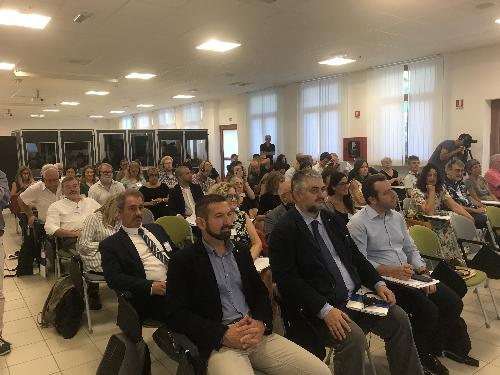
x,y
467,143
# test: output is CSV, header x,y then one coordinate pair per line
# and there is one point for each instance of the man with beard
x,y
216,298
135,259
317,267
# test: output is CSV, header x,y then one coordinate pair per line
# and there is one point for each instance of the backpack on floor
x,y
124,357
27,255
63,308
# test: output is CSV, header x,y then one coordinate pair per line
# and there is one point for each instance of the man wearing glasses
x,y
106,186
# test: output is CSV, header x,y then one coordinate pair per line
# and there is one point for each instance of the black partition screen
x,y
40,147
171,143
77,148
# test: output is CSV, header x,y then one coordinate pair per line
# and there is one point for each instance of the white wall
x,y
7,125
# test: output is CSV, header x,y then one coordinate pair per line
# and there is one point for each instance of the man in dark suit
x,y
216,297
184,195
135,258
317,267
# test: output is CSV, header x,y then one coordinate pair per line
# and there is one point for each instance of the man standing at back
x,y
106,186
447,150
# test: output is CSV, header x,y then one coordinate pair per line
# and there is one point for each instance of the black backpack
x,y
27,255
63,308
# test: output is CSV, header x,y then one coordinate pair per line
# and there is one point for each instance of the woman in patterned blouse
x,y
167,172
243,232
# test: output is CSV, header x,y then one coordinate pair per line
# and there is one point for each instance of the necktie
x,y
340,288
162,257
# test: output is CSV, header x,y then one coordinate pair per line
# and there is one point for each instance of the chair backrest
x,y
425,239
466,230
148,217
128,319
177,228
75,272
493,214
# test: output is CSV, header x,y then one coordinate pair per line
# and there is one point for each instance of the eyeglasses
x,y
232,197
106,172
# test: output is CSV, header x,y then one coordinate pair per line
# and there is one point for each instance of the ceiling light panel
x,y
183,96
217,46
95,116
98,93
50,110
116,111
339,60
10,17
145,105
6,66
70,103
140,76
38,116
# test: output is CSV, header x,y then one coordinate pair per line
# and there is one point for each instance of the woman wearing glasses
x,y
243,231
339,200
155,194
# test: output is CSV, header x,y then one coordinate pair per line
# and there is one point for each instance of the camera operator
x,y
448,150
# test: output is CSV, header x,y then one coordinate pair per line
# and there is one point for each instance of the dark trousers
x,y
152,308
432,316
479,220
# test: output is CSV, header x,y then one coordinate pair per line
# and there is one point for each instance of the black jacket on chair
x,y
193,300
123,268
176,199
298,266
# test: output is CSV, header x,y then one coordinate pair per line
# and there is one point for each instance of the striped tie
x,y
162,257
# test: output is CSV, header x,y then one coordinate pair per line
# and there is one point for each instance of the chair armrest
x,y
179,348
430,257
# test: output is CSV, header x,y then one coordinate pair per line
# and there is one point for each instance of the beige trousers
x,y
274,355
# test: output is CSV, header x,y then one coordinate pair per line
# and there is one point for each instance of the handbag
x,y
446,274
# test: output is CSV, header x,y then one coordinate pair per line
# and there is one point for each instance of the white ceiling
x,y
282,42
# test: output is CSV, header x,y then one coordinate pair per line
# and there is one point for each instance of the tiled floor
x,y
38,351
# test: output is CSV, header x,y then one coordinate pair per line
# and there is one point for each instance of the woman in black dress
x,y
155,194
391,174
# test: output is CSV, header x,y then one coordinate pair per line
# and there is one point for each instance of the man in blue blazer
x,y
135,259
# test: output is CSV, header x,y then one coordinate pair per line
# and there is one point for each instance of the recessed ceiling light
x,y
6,66
39,116
14,18
20,73
183,96
95,116
339,60
70,103
145,105
140,76
116,111
99,93
50,110
497,20
217,46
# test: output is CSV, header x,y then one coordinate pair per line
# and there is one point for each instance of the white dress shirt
x,y
189,203
38,196
154,268
69,215
99,193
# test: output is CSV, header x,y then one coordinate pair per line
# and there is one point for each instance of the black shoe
x,y
4,347
432,364
462,359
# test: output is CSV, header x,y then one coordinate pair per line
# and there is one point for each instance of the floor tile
x,y
59,344
14,304
16,314
24,338
89,368
78,356
489,370
27,353
20,325
41,366
484,350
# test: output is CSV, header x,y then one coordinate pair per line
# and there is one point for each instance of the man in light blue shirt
x,y
380,233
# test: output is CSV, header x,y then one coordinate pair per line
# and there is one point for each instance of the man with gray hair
x,y
454,184
493,175
273,217
106,186
317,267
41,194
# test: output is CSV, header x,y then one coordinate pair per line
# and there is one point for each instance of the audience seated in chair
x,y
135,259
184,195
381,235
410,180
356,177
316,266
273,217
203,178
493,175
477,186
106,186
217,299
155,194
339,201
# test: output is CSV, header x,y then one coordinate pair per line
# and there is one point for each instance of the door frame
x,y
221,148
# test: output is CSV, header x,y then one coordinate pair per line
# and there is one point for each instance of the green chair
x,y
493,214
428,245
177,228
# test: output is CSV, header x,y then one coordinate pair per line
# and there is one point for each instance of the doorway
x,y
495,127
228,145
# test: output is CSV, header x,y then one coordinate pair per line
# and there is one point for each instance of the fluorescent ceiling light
x,y
497,20
145,105
217,46
140,75
183,96
6,66
339,60
99,93
70,103
20,73
95,116
39,116
14,18
116,111
50,110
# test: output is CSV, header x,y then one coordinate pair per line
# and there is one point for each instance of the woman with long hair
x,y
281,164
339,200
167,175
248,202
429,197
270,199
24,178
477,186
123,172
135,178
155,194
87,180
243,232
358,175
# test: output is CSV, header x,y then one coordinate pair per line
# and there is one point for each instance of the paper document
x,y
411,283
261,264
356,303
491,203
437,217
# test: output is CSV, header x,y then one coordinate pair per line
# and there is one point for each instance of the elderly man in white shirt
x,y
106,186
41,194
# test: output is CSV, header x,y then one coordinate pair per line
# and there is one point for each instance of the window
x,y
166,118
405,104
126,122
143,121
263,118
319,123
193,116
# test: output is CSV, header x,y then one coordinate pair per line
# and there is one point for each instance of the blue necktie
x,y
162,257
340,288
